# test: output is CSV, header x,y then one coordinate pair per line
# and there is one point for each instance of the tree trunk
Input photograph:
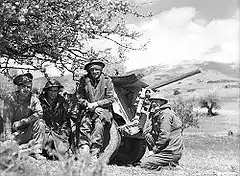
x,y
210,108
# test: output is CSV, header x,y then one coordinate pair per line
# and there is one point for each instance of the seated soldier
x,y
94,92
22,115
164,137
57,121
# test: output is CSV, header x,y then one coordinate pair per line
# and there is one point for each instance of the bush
x,y
176,92
184,109
191,90
15,162
210,101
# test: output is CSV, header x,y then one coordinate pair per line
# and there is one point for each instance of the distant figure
x,y
163,137
116,72
22,115
57,121
230,133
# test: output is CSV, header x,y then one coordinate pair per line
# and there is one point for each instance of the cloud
x,y
177,35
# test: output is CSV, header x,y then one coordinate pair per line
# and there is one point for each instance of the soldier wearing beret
x,y
94,92
22,115
56,119
164,135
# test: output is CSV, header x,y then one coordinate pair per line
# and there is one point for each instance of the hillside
x,y
211,72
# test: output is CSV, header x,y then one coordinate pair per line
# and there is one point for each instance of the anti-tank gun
x,y
131,94
145,93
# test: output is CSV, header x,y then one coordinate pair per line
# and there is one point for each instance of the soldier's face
x,y
52,93
25,89
95,72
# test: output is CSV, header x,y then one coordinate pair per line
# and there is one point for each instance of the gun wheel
x,y
130,151
112,139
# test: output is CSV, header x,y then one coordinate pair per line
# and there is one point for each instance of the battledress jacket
x,y
101,92
57,121
15,110
166,131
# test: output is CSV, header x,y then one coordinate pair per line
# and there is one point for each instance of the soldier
x,y
56,118
22,115
164,137
94,92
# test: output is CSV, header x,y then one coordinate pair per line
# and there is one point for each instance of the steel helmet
x,y
53,83
157,96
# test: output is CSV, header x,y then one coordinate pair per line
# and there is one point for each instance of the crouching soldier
x,y
56,118
22,115
164,137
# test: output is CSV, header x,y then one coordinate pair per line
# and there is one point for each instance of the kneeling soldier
x,y
164,137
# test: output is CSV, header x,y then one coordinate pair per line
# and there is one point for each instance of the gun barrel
x,y
178,78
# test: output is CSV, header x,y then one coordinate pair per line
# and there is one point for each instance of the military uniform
x,y
57,122
27,113
164,139
101,92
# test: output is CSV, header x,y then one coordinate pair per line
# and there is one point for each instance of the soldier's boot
x,y
95,151
83,151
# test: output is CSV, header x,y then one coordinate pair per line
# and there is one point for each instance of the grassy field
x,y
209,151
204,155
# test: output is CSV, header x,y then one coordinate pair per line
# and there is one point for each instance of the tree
x,y
210,101
37,32
184,109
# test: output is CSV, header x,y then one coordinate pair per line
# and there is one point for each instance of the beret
x,y
23,79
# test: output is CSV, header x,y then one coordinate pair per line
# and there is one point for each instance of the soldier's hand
x,y
11,136
25,121
98,110
134,130
17,125
92,106
150,152
149,139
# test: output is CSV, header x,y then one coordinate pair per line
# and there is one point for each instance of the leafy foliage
x,y
62,32
14,161
210,101
184,109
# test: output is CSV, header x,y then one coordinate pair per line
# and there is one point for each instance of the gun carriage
x,y
131,116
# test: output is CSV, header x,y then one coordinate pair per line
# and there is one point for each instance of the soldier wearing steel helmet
x,y
164,137
94,92
55,115
22,115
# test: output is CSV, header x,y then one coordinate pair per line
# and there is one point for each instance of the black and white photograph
x,y
119,88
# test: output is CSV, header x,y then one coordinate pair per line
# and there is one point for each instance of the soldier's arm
x,y
8,118
109,91
37,111
2,94
66,126
80,93
164,132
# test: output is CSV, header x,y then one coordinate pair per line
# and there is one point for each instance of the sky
x,y
186,30
182,30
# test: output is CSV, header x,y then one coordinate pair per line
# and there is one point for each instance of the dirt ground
x,y
204,155
209,150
